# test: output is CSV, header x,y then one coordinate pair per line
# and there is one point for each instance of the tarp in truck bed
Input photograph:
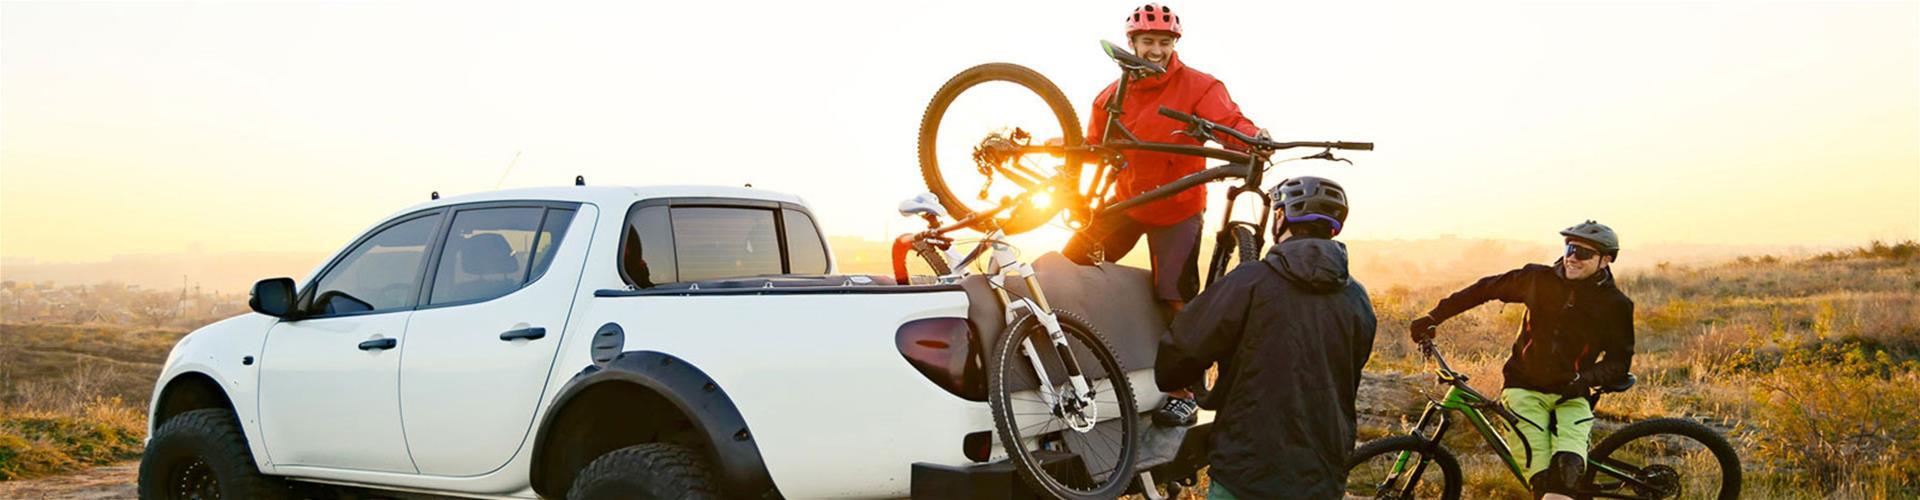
x,y
1117,300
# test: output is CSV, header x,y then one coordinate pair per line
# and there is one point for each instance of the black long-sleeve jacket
x,y
1291,334
1583,327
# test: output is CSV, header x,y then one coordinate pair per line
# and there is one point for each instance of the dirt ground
x,y
113,481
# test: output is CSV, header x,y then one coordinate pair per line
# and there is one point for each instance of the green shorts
x,y
1216,491
1549,425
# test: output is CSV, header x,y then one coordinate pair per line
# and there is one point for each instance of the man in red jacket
x,y
1171,225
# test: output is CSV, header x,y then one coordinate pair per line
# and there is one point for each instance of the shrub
x,y
1840,414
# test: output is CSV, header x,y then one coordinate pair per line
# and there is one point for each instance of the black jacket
x,y
1291,334
1583,327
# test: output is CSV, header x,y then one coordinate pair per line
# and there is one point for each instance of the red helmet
x,y
1153,17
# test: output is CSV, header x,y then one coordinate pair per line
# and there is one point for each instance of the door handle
x,y
379,344
530,333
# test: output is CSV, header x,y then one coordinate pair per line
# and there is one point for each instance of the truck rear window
x,y
669,244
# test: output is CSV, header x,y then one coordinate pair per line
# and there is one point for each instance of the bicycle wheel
x,y
1429,470
1051,444
969,126
1664,458
1235,246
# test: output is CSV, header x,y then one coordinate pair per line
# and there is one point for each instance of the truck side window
x,y
381,273
806,254
488,253
646,254
725,242
552,230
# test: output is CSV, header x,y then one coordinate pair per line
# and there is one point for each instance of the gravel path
x,y
112,481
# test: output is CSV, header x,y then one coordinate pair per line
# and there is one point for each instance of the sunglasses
x,y
1580,252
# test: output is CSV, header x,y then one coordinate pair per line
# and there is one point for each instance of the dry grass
x,y
74,396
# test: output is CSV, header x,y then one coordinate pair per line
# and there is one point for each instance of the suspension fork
x,y
1003,262
1400,465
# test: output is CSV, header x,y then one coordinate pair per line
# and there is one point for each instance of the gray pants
x,y
1175,249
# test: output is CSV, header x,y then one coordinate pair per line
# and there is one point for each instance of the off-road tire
x,y
200,445
646,471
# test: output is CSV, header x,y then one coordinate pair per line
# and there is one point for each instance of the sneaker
x,y
1176,412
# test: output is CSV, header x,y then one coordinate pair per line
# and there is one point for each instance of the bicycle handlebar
x,y
1171,113
1433,351
1209,127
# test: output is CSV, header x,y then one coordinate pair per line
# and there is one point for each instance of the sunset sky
x,y
240,127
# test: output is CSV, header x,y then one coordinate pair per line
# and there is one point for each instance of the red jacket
x,y
1183,89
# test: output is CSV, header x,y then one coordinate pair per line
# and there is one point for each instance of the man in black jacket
x,y
1291,334
1578,334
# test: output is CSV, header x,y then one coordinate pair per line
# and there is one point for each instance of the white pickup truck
x,y
573,342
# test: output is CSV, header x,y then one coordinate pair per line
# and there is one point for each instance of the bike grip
x,y
1170,113
1355,146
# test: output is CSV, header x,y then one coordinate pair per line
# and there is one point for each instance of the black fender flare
x,y
739,468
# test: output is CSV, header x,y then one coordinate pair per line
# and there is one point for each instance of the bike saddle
x,y
923,204
1132,63
1619,386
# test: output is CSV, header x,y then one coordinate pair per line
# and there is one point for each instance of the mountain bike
x,y
1070,427
1652,459
1075,176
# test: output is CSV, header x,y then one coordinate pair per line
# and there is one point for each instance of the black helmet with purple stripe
x,y
1311,199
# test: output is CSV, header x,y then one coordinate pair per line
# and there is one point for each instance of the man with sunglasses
x,y
1577,334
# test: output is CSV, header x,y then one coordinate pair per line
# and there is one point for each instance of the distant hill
x,y
214,272
1378,263
1413,263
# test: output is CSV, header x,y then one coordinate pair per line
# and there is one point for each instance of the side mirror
x,y
272,297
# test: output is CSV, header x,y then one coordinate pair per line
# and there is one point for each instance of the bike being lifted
x,y
1045,346
1075,176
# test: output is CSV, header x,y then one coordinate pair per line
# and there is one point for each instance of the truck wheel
x,y
645,471
203,454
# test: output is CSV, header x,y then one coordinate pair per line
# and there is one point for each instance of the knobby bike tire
x,y
1007,356
1449,466
990,72
1723,452
1243,247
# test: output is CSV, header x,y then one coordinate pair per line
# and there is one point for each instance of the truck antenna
x,y
510,164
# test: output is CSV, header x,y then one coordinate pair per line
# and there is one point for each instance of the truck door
x,y
329,381
482,343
